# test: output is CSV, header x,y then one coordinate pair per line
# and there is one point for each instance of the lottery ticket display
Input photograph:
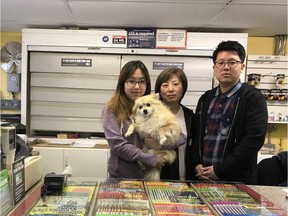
x,y
230,199
176,198
75,199
123,198
159,198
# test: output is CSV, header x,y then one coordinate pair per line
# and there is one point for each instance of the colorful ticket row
x,y
75,199
150,198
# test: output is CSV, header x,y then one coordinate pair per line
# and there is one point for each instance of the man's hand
x,y
205,173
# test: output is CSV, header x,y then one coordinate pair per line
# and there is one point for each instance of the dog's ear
x,y
134,109
157,96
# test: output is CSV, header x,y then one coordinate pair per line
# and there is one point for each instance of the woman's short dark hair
x,y
166,74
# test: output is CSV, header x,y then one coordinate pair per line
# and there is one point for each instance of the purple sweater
x,y
126,151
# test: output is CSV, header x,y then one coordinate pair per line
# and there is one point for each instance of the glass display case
x,y
137,197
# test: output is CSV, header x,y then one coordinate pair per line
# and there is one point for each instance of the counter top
x,y
100,143
275,194
274,197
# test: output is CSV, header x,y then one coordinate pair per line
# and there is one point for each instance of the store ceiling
x,y
256,17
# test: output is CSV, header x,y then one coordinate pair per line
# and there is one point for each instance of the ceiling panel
x,y
35,11
256,17
260,2
170,15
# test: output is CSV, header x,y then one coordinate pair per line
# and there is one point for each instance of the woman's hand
x,y
160,160
152,143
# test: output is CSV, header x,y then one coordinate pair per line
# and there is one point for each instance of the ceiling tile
x,y
143,14
41,11
256,18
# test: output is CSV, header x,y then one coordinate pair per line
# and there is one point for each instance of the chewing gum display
x,y
275,94
265,92
284,95
280,79
254,79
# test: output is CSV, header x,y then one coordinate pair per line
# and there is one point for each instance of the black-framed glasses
x,y
133,83
231,64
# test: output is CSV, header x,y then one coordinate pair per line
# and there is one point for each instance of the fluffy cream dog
x,y
151,118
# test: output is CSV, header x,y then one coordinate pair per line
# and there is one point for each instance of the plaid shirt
x,y
218,123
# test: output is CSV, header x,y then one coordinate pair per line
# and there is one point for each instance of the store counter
x,y
276,195
135,197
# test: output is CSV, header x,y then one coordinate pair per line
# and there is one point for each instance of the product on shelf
x,y
155,198
122,198
175,198
231,199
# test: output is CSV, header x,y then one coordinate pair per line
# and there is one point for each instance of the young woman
x,y
172,86
125,152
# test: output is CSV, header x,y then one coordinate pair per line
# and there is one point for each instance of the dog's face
x,y
145,106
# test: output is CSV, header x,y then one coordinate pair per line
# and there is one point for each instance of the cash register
x,y
12,149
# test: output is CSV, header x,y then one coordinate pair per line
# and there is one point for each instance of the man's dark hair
x,y
230,46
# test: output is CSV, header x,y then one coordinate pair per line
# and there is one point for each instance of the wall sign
x,y
69,62
163,65
18,179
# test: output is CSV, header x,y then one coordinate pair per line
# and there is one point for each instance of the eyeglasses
x,y
231,64
134,82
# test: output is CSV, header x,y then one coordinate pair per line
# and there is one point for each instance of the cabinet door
x,y
87,162
52,159
67,91
198,71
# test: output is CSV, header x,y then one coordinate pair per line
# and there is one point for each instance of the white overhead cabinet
x,y
68,78
68,90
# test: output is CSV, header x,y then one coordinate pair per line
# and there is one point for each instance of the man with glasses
x,y
231,122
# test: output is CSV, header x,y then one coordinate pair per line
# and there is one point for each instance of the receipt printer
x,y
53,184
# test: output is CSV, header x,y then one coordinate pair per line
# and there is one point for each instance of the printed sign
x,y
76,62
18,176
141,38
169,38
163,65
119,40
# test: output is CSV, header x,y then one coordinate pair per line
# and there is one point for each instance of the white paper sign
x,y
171,38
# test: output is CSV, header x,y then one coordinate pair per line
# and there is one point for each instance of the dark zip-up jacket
x,y
171,172
246,136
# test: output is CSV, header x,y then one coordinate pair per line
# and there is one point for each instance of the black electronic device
x,y
53,184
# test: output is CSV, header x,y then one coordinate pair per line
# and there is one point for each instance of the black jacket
x,y
246,136
171,172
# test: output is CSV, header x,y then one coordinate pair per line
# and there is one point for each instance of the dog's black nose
x,y
145,111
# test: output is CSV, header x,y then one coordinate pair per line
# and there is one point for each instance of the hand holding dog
x,y
160,160
152,143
